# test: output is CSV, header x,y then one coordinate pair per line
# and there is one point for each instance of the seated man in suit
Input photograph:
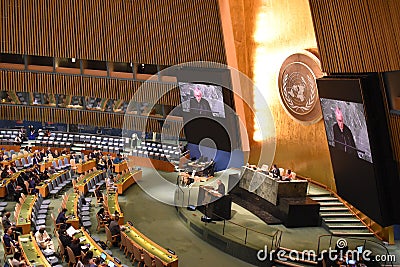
x,y
276,173
8,240
220,187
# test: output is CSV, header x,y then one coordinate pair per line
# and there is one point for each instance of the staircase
x,y
337,218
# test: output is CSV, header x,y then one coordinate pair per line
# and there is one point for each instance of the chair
x,y
60,249
137,254
100,224
148,259
55,224
158,261
7,250
110,238
72,258
124,241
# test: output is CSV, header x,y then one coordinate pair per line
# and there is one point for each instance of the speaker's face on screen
x,y
197,94
339,118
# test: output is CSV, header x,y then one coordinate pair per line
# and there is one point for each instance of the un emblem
x,y
298,88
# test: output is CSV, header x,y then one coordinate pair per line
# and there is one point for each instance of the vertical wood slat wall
x,y
356,36
74,85
152,32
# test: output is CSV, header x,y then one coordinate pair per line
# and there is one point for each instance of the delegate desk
x,y
213,204
113,206
31,251
43,187
133,235
269,188
85,239
162,165
23,219
72,210
120,167
84,167
82,185
6,181
127,180
46,164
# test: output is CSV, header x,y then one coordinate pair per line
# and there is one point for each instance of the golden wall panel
x,y
265,33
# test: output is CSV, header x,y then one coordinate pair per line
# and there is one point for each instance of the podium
x,y
214,205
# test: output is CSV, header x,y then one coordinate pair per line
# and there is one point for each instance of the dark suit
x,y
221,189
76,248
200,108
344,140
276,173
61,218
8,240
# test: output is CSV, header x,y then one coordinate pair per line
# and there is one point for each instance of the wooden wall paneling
x,y
394,122
185,34
113,89
13,81
31,25
132,31
316,17
73,85
135,28
209,29
155,17
95,87
114,31
44,16
65,35
166,24
44,83
391,49
394,15
357,37
59,84
94,41
12,27
148,42
367,57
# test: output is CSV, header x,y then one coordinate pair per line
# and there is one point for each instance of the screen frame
x,y
367,89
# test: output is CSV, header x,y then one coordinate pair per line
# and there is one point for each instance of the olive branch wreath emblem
x,y
311,100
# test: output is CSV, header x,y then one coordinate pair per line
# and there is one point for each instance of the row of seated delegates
x,y
25,183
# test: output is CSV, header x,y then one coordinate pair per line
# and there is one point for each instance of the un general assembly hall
x,y
200,133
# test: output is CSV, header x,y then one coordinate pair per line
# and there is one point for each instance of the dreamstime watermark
x,y
340,252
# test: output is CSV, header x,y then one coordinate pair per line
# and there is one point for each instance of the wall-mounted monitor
x,y
359,144
202,99
346,128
